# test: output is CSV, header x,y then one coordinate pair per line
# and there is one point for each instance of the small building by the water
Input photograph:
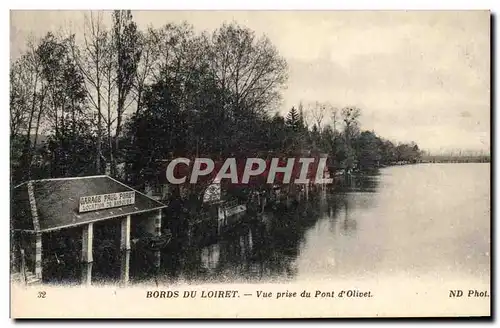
x,y
57,222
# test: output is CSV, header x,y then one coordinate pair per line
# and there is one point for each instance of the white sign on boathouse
x,y
98,202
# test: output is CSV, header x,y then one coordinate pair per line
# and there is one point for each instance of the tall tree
x,y
66,92
350,116
93,59
368,152
335,118
27,107
126,41
317,111
148,44
249,66
301,115
293,119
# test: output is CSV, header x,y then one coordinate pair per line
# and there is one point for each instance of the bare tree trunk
x,y
99,113
38,119
109,122
117,134
27,151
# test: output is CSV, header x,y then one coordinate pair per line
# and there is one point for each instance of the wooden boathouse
x,y
41,207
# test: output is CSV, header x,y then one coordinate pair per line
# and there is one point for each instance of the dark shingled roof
x,y
57,202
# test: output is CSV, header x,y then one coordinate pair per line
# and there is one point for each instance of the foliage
x,y
130,98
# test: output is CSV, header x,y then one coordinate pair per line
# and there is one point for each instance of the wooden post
x,y
190,233
125,233
86,273
125,267
221,217
157,259
87,241
23,267
250,239
158,223
262,203
38,255
158,233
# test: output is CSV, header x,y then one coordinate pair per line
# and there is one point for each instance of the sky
x,y
420,76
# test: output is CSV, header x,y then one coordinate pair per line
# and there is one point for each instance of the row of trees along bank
x,y
122,98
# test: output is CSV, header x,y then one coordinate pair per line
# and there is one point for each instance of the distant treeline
x,y
119,98
456,158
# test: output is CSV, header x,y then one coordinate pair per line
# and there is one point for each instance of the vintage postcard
x,y
250,164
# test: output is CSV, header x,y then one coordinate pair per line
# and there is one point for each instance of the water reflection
x,y
367,182
266,247
86,273
125,267
412,220
210,257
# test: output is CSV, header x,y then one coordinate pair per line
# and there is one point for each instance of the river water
x,y
415,220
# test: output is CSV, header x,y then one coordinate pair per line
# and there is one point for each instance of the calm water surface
x,y
426,219
419,220
416,220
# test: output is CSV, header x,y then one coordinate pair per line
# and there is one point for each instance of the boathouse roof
x,y
53,204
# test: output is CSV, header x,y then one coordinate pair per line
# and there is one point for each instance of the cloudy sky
x,y
421,76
